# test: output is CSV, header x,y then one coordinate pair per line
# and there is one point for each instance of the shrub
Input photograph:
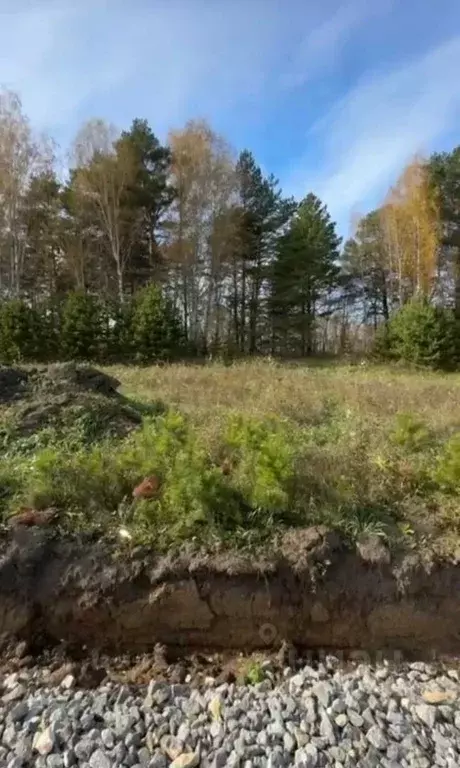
x,y
410,433
82,327
448,470
383,342
263,455
116,320
21,332
155,328
422,334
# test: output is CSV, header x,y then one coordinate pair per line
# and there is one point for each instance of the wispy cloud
x,y
46,54
379,125
173,59
322,45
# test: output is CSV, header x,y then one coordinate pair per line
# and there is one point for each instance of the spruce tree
x,y
305,271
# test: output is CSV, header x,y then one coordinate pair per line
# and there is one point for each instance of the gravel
x,y
328,715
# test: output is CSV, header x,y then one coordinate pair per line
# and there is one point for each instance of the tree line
x,y
235,265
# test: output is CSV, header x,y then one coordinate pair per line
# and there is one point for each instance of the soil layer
x,y
316,593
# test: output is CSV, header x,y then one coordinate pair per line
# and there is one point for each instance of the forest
x,y
143,247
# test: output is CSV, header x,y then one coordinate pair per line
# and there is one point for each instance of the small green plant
x,y
359,521
447,472
410,432
255,673
263,455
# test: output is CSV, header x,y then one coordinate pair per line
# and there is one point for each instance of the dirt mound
x,y
13,383
59,395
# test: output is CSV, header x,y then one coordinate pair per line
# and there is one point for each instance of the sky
x,y
332,96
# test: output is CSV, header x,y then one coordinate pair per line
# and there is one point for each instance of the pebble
x,y
99,759
328,716
44,741
427,714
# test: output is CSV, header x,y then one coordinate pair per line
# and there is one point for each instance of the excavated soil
x,y
315,593
58,394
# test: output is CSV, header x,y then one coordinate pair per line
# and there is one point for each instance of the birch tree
x,y
20,158
410,223
103,176
204,180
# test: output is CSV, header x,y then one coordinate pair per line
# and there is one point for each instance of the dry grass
x,y
297,392
351,467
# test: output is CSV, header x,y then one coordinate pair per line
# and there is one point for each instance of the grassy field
x,y
243,451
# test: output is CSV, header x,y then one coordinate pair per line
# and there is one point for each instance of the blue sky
x,y
333,96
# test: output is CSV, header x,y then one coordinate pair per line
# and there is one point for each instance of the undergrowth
x,y
240,476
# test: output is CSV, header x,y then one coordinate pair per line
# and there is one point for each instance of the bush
x,y
421,334
262,454
82,327
448,470
155,327
410,433
21,333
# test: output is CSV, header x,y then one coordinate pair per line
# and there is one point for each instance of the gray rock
x,y
338,706
143,756
158,761
377,738
307,757
54,761
276,728
323,692
23,747
9,735
19,711
108,738
16,693
15,762
289,742
83,750
326,729
310,710
427,714
355,718
133,739
69,758
100,759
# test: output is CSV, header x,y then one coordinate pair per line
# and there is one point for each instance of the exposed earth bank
x,y
316,593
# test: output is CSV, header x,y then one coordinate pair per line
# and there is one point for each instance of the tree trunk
x,y
120,281
303,331
457,284
385,308
243,309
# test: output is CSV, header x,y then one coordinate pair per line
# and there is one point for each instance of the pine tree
x,y
81,327
151,194
305,271
155,328
263,213
444,170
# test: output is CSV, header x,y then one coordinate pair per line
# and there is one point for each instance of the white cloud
x,y
372,132
171,59
42,57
